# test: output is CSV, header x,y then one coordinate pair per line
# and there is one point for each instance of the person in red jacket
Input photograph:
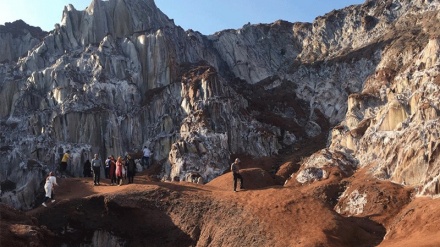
x,y
112,170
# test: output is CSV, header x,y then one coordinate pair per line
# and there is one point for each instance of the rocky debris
x,y
18,229
318,166
367,196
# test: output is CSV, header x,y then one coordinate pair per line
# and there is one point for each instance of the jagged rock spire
x,y
117,17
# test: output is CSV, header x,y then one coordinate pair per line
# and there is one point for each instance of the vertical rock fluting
x,y
214,127
392,126
16,39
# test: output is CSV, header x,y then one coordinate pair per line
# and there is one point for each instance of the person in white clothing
x,y
146,156
51,180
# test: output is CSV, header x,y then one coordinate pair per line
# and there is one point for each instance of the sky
x,y
205,16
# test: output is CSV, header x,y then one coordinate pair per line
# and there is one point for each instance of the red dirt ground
x,y
264,214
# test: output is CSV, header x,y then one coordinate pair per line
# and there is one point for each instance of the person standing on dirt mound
x,y
96,166
131,168
51,180
63,164
235,168
112,170
119,167
87,169
107,167
146,157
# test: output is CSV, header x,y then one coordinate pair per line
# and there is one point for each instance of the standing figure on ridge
x,y
146,157
96,166
107,167
119,167
131,168
112,170
63,164
236,173
87,169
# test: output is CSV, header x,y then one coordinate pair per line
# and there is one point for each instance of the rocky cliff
x,y
120,75
17,38
391,125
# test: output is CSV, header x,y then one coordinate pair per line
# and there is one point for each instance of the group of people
x,y
114,169
117,169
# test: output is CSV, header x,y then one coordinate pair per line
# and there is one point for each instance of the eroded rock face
x,y
215,127
93,86
120,75
394,122
16,39
392,125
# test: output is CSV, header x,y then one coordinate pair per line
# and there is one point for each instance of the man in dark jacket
x,y
131,168
236,173
87,170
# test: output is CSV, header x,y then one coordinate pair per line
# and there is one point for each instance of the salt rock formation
x,y
17,38
392,125
120,75
93,86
